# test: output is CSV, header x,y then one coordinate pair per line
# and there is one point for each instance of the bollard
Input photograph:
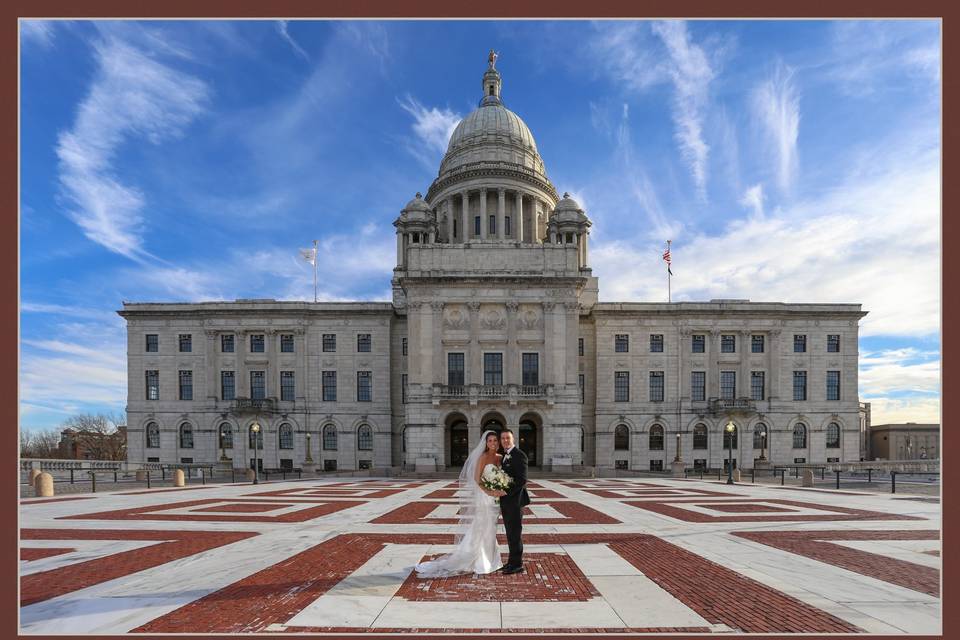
x,y
178,479
71,476
148,479
141,475
114,475
893,482
33,476
93,479
838,479
43,485
869,473
203,477
783,472
796,472
250,474
822,469
163,472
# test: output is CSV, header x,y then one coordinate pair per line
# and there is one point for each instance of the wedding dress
x,y
475,543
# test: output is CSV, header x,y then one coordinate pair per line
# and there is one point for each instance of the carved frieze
x,y
455,317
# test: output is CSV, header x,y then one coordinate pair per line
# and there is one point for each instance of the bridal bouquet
x,y
493,478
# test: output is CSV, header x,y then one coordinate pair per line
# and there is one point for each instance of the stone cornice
x,y
498,170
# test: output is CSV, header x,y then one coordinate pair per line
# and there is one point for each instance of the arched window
x,y
330,438
799,436
621,438
759,433
833,436
286,436
656,438
186,436
259,438
700,436
226,436
729,439
365,438
153,435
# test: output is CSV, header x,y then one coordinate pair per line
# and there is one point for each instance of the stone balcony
x,y
253,405
474,393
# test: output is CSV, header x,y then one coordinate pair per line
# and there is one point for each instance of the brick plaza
x,y
601,555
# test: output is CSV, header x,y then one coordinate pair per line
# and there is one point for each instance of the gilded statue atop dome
x,y
492,58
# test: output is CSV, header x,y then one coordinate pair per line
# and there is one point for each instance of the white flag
x,y
310,255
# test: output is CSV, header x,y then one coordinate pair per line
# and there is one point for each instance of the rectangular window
x,y
728,385
698,343
698,386
329,384
153,343
288,387
656,465
286,343
403,346
799,385
329,465
757,380
506,226
833,385
455,374
621,386
492,226
581,380
580,346
329,342
228,385
364,342
656,386
656,343
799,343
186,342
756,343
153,385
403,388
258,385
621,343
476,226
833,343
728,343
799,461
226,343
530,368
257,343
492,368
186,385
364,386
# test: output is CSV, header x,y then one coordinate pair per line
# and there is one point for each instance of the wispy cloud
x,y
776,106
900,410
40,32
282,29
432,128
133,96
753,200
691,74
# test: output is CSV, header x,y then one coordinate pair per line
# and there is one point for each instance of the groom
x,y
512,502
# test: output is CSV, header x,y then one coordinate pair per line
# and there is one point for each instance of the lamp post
x,y
676,458
309,457
223,450
255,427
730,429
763,443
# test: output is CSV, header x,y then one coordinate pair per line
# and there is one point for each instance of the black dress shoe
x,y
513,569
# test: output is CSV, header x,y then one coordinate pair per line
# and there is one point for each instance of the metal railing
x,y
253,405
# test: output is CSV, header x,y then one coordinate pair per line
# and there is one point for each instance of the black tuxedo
x,y
512,504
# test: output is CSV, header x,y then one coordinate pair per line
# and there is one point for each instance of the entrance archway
x,y
493,422
457,440
528,438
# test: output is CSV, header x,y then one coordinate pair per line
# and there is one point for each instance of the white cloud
x,y
776,106
623,52
753,200
132,96
432,128
691,74
899,371
40,32
285,34
900,410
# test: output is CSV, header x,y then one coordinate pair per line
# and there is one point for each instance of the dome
x,y
568,204
491,120
417,204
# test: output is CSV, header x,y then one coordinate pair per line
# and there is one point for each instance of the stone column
x,y
774,348
448,216
211,361
568,355
550,345
437,308
241,377
476,370
400,252
586,254
301,377
501,206
745,391
424,355
553,235
464,215
272,382
483,214
713,368
511,371
519,216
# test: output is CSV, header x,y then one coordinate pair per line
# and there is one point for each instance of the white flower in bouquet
x,y
494,478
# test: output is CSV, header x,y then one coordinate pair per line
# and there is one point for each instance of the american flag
x,y
666,257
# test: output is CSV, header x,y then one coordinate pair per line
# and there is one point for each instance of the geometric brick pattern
x,y
325,507
573,512
741,508
35,553
836,513
817,545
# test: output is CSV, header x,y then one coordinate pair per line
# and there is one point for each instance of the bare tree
x,y
97,434
40,444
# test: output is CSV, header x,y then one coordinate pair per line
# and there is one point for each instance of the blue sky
x,y
792,161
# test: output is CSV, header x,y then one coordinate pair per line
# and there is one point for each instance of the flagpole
x,y
314,270
669,277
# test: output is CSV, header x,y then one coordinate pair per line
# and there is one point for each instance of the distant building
x,y
91,445
907,441
865,431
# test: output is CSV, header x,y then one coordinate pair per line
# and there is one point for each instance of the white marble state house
x,y
494,322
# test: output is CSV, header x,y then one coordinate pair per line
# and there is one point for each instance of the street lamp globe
x,y
255,427
730,428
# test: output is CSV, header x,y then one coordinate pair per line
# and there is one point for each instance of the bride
x,y
476,548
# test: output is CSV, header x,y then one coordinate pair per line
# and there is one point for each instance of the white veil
x,y
470,498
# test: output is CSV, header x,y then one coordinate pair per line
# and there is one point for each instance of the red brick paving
x,y
148,512
356,492
548,577
441,494
419,512
517,631
36,553
246,507
818,545
165,490
276,594
935,552
44,585
656,493
839,513
741,508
